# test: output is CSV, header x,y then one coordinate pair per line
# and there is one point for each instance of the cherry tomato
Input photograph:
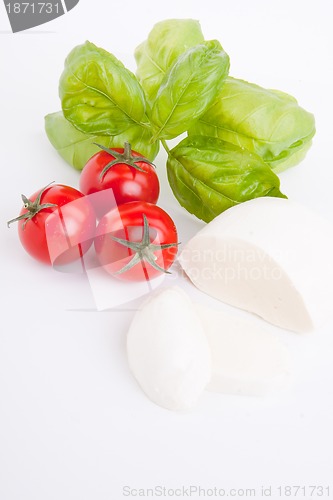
x,y
56,224
120,176
136,241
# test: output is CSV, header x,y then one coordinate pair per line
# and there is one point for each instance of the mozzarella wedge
x,y
247,359
168,352
270,256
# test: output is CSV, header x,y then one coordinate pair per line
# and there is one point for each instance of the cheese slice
x,y
270,256
168,352
247,359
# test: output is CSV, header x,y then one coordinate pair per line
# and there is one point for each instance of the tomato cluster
x,y
115,210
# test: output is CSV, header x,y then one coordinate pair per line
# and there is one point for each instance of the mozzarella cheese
x,y
168,352
247,359
270,256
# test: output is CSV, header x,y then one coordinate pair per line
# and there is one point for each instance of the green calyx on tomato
x,y
62,227
144,250
127,223
120,176
32,207
125,157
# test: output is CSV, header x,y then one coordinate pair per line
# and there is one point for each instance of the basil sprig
x,y
238,132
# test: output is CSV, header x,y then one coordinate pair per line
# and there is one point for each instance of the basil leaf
x,y
98,94
208,175
76,148
166,41
267,122
189,88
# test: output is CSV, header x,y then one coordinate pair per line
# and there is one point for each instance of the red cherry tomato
x,y
120,176
56,225
136,241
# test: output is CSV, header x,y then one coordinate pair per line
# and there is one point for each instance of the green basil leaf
x,y
189,88
166,41
267,122
76,147
98,94
208,175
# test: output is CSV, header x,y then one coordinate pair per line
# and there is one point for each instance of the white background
x,y
74,425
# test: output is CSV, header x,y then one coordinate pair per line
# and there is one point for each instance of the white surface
x,y
73,423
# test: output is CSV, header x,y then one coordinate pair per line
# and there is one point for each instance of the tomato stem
x,y
125,157
143,250
32,207
127,151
